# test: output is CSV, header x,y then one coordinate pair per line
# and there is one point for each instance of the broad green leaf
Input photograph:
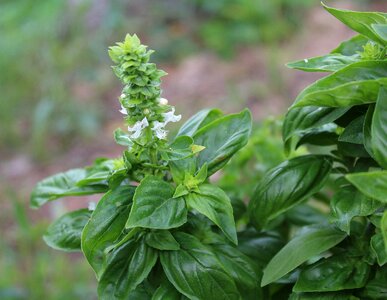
x,y
166,291
355,84
153,206
351,46
62,185
241,269
323,296
301,120
222,138
287,185
367,130
161,240
199,120
336,273
326,63
99,171
65,232
127,267
308,243
260,246
360,21
348,203
372,184
213,202
381,31
106,225
376,288
379,128
303,214
322,136
383,228
196,272
379,248
353,133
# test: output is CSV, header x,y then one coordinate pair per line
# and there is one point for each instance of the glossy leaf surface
x,y
348,203
221,139
213,202
301,120
379,128
62,185
153,206
287,185
106,225
360,21
199,120
371,184
127,267
355,84
195,271
326,63
335,273
65,232
310,242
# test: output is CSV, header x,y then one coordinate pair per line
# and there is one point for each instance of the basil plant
x,y
314,227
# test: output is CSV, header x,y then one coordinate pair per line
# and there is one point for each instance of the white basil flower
x,y
137,128
158,129
92,206
171,117
123,110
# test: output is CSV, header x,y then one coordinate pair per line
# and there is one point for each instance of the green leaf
x,y
127,267
348,203
260,246
213,202
351,46
355,84
379,248
323,296
153,206
381,31
360,21
222,138
371,184
65,232
353,133
196,272
301,120
367,130
199,120
309,243
161,240
383,228
106,225
62,185
303,214
287,185
241,269
99,171
166,291
376,288
379,128
338,272
326,63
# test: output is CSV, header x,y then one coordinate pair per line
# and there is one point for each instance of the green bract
x,y
315,226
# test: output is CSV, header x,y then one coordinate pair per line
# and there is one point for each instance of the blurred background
x,y
59,107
